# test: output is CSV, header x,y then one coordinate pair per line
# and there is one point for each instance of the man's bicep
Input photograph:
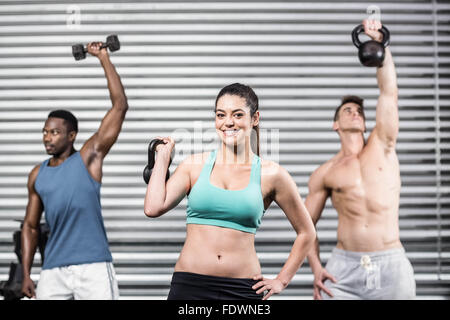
x,y
387,119
99,144
34,212
317,196
35,206
109,130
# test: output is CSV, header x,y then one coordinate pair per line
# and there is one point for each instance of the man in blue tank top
x,y
78,262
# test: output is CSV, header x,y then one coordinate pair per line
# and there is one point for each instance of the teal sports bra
x,y
235,209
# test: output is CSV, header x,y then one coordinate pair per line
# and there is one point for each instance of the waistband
x,y
194,286
356,255
193,276
181,276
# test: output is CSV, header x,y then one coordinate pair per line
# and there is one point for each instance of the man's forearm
x,y
29,242
386,75
115,87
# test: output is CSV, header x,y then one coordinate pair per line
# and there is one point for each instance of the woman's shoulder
x,y
269,165
195,159
272,169
275,177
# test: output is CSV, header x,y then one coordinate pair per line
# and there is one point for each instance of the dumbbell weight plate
x,y
78,52
113,43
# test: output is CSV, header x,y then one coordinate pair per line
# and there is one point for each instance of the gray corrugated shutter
x,y
174,59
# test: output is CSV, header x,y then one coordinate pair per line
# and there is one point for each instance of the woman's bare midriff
x,y
218,251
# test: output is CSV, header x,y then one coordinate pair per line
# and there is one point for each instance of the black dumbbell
x,y
112,42
151,160
371,53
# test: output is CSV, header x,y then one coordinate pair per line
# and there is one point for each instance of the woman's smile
x,y
231,132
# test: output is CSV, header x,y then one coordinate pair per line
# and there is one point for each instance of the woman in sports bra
x,y
228,191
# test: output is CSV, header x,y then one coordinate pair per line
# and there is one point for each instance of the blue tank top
x,y
71,199
235,209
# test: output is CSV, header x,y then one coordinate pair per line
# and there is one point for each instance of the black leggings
x,y
193,286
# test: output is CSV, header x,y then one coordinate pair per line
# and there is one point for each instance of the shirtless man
x,y
363,181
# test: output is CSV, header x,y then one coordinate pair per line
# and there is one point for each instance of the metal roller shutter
x,y
174,59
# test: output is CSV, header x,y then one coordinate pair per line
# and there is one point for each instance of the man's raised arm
x,y
387,122
102,141
97,147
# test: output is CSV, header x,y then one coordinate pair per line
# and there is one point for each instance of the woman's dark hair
x,y
251,99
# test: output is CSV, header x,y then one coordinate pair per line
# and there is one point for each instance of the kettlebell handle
x,y
151,160
152,149
360,28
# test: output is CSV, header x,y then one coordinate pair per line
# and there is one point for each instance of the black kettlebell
x,y
371,53
151,160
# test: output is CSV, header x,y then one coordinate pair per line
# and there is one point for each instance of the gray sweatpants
x,y
370,275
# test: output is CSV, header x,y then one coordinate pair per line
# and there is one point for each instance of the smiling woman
x,y
229,190
239,110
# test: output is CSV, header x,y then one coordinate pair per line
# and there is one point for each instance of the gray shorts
x,y
370,275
